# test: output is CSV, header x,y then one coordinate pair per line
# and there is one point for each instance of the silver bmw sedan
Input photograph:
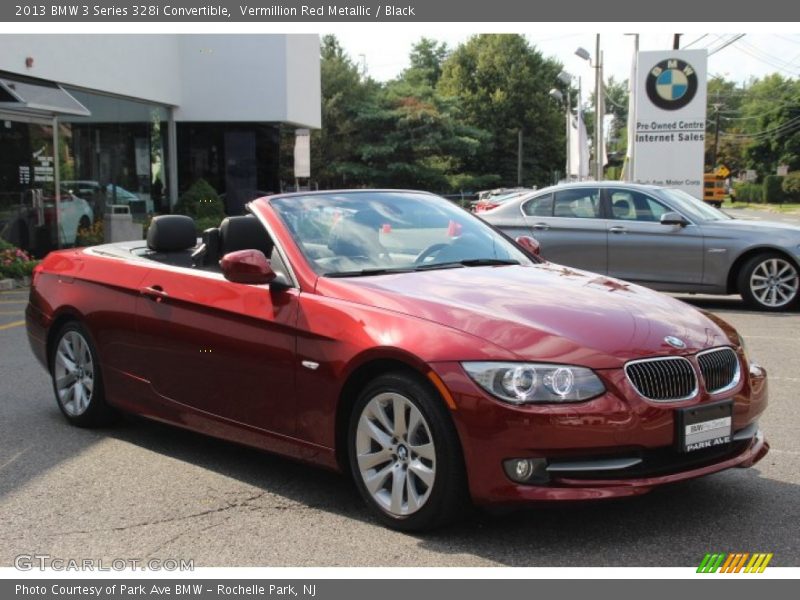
x,y
662,238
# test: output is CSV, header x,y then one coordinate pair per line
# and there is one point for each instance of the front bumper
x,y
614,425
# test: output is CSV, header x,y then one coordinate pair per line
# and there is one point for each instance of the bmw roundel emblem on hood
x,y
675,342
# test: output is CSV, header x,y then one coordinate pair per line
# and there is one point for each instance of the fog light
x,y
526,470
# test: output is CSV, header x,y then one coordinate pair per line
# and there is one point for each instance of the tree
x,y
502,83
426,59
334,147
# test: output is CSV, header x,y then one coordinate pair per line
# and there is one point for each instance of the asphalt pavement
x,y
142,490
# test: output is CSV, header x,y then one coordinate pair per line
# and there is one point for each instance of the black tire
x,y
96,412
762,264
449,496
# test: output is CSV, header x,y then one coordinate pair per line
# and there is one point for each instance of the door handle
x,y
618,229
155,293
541,226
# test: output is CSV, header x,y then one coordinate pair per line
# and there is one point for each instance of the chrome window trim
x,y
609,191
692,395
737,376
522,203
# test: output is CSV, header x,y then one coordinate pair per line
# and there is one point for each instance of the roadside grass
x,y
789,207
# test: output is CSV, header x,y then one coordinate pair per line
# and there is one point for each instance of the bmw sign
x,y
668,141
671,84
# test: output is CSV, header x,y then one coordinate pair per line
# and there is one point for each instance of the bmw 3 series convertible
x,y
395,337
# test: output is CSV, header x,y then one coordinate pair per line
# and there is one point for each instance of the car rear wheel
x,y
405,455
77,381
770,282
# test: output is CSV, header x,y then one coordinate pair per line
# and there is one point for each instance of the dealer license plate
x,y
702,427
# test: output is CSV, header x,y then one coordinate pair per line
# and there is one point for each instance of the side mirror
x,y
530,245
247,266
673,218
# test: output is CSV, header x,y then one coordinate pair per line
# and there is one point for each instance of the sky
x,y
754,55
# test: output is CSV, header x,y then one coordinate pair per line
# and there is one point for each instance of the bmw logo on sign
x,y
671,84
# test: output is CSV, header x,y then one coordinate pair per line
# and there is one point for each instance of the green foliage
x,y
752,193
202,203
773,190
92,235
502,84
791,186
15,263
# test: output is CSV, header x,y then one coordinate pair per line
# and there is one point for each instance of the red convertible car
x,y
394,336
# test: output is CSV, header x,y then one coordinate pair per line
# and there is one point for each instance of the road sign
x,y
722,171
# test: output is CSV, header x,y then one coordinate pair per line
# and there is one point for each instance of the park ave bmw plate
x,y
706,426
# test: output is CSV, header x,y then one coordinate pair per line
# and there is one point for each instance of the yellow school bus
x,y
713,189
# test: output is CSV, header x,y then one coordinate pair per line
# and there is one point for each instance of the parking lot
x,y
141,489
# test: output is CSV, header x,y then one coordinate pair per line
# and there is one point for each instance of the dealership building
x,y
93,121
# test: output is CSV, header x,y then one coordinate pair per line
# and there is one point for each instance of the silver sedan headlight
x,y
522,383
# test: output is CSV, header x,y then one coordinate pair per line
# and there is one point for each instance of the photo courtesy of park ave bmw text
x,y
316,300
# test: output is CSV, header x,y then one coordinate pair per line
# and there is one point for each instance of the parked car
x,y
490,199
397,337
659,237
31,223
99,195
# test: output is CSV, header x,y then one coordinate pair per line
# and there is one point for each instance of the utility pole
x,y
519,157
717,106
598,111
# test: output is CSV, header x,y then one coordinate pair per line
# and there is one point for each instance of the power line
x,y
734,39
758,116
766,61
695,41
779,130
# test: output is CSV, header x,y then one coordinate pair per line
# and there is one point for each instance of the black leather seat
x,y
244,233
171,239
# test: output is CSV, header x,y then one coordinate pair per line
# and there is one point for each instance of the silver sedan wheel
x,y
395,453
74,373
774,282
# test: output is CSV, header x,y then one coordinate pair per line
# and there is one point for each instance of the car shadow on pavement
x,y
733,511
731,304
737,510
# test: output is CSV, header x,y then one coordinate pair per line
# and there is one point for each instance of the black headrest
x,y
244,233
170,233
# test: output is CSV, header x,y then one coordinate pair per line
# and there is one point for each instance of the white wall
x,y
267,78
141,66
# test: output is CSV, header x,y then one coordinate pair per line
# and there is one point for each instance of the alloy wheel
x,y
395,453
74,373
774,282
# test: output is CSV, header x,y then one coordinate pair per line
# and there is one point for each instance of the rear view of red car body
x,y
395,337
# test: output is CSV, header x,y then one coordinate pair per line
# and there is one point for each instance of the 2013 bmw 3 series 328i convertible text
x,y
395,337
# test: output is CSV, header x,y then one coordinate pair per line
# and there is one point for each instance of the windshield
x,y
692,207
370,233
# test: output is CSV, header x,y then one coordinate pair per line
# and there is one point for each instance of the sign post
x,y
671,119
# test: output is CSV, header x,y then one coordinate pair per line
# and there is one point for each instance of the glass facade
x,y
116,159
239,160
117,156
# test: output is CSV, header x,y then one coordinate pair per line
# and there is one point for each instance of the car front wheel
x,y
77,381
769,282
405,455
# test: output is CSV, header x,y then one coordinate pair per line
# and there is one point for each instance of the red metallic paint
x,y
226,359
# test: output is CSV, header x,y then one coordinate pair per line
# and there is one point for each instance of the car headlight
x,y
521,383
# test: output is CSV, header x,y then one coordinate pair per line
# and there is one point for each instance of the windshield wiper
x,y
482,262
467,262
367,272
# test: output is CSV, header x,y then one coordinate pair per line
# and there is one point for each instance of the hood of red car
x,y
544,312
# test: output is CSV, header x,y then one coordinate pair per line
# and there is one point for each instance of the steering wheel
x,y
429,251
